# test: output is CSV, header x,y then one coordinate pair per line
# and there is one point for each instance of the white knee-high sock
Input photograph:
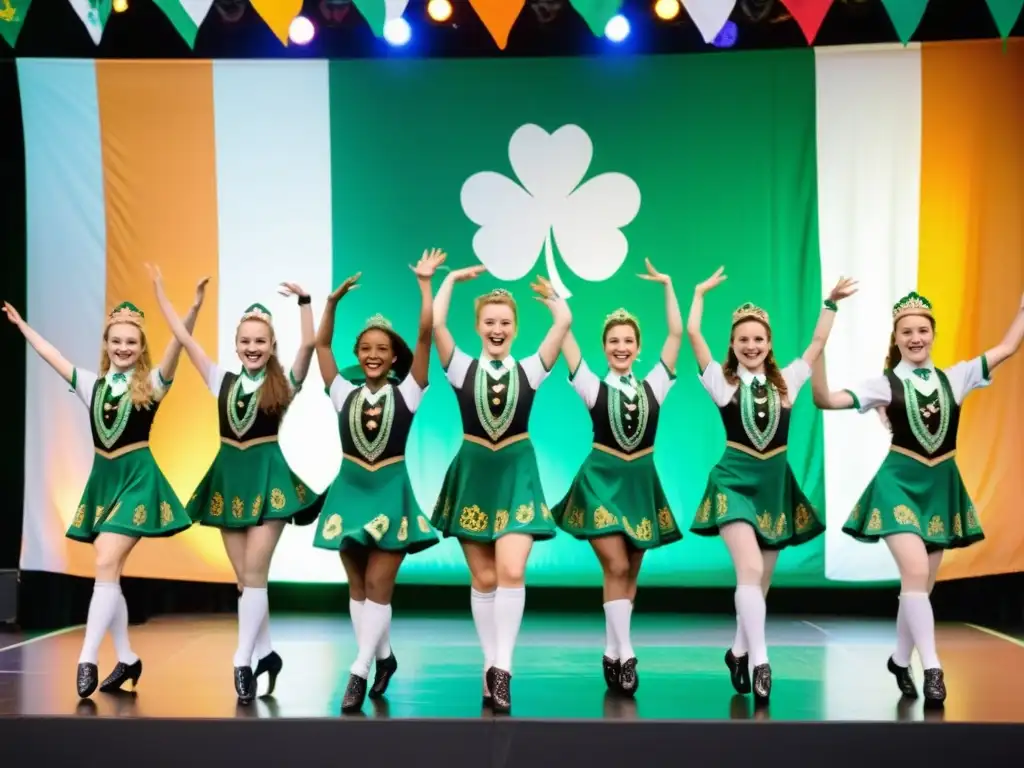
x,y
252,607
263,647
618,614
383,649
508,617
482,606
355,612
904,640
750,610
611,645
119,632
921,621
739,643
102,608
374,621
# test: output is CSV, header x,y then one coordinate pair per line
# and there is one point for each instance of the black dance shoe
x,y
762,683
904,678
88,676
934,688
270,665
629,680
355,694
123,673
382,675
500,683
245,685
739,671
612,668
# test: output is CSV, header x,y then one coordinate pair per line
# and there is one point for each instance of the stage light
x,y
120,6
726,38
439,10
666,10
397,31
617,28
301,30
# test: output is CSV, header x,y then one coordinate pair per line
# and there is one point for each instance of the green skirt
x,y
609,490
761,492
246,486
487,494
373,508
908,496
128,495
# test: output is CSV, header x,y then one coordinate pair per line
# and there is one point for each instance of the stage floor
x,y
824,669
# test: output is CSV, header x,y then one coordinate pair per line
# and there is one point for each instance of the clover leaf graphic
x,y
583,219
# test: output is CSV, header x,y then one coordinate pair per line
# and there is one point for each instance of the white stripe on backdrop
x,y
869,171
273,139
66,250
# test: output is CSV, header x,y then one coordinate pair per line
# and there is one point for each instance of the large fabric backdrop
x,y
901,166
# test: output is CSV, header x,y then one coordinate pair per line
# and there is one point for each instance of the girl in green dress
x,y
126,497
616,500
370,515
917,501
491,499
752,499
250,492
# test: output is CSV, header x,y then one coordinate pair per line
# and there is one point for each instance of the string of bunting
x,y
498,16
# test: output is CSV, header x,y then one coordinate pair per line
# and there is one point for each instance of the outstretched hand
x,y
12,314
350,284
546,294
428,263
712,282
201,291
844,289
291,289
467,273
654,275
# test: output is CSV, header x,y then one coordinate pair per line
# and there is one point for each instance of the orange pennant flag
x,y
279,15
498,16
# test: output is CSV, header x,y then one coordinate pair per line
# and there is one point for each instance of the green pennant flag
x,y
186,16
374,12
12,18
597,13
1005,13
906,16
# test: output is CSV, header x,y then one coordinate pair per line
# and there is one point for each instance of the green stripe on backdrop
x,y
723,151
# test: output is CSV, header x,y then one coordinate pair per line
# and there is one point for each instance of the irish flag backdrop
x,y
899,165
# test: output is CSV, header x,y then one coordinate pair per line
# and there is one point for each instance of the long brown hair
x,y
894,357
141,387
771,368
275,393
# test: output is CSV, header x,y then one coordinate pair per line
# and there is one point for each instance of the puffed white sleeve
x,y
661,380
458,367
795,375
82,384
586,384
214,378
159,383
871,393
412,393
713,379
534,369
967,376
339,391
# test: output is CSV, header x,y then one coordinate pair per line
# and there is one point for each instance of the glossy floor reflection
x,y
825,669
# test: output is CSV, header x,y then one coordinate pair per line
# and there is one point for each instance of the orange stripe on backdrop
x,y
159,169
972,267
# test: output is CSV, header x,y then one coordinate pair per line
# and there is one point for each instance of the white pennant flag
x,y
709,15
94,14
393,9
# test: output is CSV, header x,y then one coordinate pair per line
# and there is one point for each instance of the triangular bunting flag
x,y
374,12
809,14
709,15
498,16
278,15
394,9
94,14
597,13
906,16
186,16
12,17
1005,13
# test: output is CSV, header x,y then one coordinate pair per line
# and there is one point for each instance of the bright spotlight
x,y
439,10
666,10
301,30
617,28
120,6
397,31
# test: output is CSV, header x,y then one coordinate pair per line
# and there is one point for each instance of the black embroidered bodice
x,y
624,425
925,425
240,417
115,422
495,409
375,431
755,418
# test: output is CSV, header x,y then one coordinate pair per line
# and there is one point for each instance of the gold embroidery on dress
x,y
257,505
500,520
403,529
237,508
545,513
79,517
139,518
604,519
277,500
300,491
721,506
936,527
166,513
802,519
576,517
905,516
524,515
423,524
216,505
972,518
875,520
113,510
780,526
855,515
764,523
378,527
332,527
98,517
958,525
704,511
643,532
666,523
473,519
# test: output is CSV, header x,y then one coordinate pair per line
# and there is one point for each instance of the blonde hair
x,y
275,394
771,368
503,298
141,387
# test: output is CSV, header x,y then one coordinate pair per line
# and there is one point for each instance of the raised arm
x,y
442,301
43,348
670,349
845,288
424,270
325,333
307,338
571,352
693,333
1011,342
195,352
562,317
169,362
823,398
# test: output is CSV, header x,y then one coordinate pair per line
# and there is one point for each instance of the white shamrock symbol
x,y
516,221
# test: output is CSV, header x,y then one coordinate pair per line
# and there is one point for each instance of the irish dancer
x,y
917,501
616,501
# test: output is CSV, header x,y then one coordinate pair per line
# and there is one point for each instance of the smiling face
x,y
124,344
376,354
254,343
751,343
621,346
496,324
914,336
